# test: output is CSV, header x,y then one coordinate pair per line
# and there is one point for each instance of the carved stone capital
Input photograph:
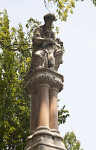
x,y
43,76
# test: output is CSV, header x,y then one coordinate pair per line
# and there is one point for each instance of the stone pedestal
x,y
43,85
44,139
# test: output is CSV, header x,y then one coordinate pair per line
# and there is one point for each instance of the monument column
x,y
53,109
43,83
43,105
33,116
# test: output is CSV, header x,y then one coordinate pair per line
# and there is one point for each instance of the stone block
x,y
44,139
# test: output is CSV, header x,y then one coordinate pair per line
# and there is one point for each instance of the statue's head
x,y
49,18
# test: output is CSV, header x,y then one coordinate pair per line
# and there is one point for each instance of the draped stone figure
x,y
47,51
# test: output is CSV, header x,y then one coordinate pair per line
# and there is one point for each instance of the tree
x,y
71,142
62,115
15,57
94,2
14,102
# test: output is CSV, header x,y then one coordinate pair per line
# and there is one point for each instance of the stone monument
x,y
43,82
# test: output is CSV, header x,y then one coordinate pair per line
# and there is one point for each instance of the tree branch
x,y
45,3
16,48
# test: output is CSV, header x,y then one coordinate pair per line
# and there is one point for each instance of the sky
x,y
79,63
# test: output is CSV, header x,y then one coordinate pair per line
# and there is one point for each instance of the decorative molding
x,y
43,139
43,76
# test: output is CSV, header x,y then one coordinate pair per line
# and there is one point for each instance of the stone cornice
x,y
44,76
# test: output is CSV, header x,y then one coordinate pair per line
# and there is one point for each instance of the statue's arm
x,y
37,39
40,40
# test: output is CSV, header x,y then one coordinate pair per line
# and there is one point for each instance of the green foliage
x,y
15,57
94,2
62,115
31,25
14,102
62,7
70,141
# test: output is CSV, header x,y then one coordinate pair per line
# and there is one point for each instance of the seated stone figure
x,y
47,52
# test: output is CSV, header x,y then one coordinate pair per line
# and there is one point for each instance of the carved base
x,y
44,139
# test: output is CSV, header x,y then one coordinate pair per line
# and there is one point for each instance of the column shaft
x,y
53,109
43,105
33,115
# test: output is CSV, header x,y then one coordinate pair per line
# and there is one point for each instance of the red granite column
x,y
53,109
33,116
43,105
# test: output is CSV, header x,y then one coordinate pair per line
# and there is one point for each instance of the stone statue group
x,y
47,51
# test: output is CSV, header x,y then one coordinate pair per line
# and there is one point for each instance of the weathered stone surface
x,y
43,105
43,83
43,76
44,139
53,108
33,113
47,51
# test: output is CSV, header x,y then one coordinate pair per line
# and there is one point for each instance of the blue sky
x,y
79,68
